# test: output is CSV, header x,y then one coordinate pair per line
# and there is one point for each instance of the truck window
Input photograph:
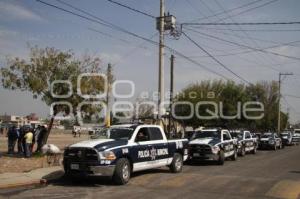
x,y
155,134
142,135
247,135
226,135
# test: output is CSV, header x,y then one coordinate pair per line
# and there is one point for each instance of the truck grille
x,y
264,142
81,155
200,148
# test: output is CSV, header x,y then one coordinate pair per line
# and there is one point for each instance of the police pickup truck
x,y
122,149
286,137
245,142
212,144
296,137
271,141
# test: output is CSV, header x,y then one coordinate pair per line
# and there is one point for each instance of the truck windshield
x,y
285,134
267,136
237,135
207,134
114,133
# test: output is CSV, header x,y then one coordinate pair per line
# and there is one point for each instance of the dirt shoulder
x,y
17,163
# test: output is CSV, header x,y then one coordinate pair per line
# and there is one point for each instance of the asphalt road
x,y
268,174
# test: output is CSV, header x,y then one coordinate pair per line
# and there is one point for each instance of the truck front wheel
x,y
177,163
122,171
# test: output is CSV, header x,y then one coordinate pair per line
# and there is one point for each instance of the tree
x,y
230,94
44,66
144,108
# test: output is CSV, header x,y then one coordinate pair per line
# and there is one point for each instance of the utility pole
x,y
279,98
109,79
171,89
161,58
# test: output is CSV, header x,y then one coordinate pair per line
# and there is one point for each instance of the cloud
x,y
10,11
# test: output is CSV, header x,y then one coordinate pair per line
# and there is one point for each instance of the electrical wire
x,y
215,59
256,30
132,9
115,27
293,96
251,9
245,46
229,10
242,23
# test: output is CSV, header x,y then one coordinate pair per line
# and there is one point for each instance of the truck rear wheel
x,y
221,159
122,171
234,156
254,150
243,151
177,163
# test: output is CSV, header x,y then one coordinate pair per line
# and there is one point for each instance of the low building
x,y
18,121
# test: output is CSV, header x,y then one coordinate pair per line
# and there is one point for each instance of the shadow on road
x,y
297,172
96,181
200,163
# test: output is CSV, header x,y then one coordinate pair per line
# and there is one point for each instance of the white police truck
x,y
212,144
245,142
122,149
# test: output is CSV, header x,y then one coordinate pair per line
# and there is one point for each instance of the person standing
x,y
12,138
20,140
28,143
40,138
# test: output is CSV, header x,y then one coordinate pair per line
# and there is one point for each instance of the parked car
x,y
270,141
212,144
245,142
123,149
286,137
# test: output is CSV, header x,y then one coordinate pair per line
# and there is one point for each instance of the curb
x,y
44,181
24,184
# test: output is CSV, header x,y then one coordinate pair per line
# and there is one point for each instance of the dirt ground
x,y
16,163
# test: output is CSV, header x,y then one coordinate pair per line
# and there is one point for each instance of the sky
x,y
28,22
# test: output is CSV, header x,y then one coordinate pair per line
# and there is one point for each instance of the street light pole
x,y
171,90
161,59
279,98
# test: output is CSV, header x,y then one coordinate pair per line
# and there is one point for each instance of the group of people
x,y
25,138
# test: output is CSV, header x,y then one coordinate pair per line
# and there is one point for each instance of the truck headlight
x,y
107,155
215,149
239,144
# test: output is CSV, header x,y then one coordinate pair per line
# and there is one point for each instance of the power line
x,y
215,59
293,96
109,35
132,9
115,27
245,46
230,10
250,51
242,23
251,9
290,106
240,28
226,29
257,30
